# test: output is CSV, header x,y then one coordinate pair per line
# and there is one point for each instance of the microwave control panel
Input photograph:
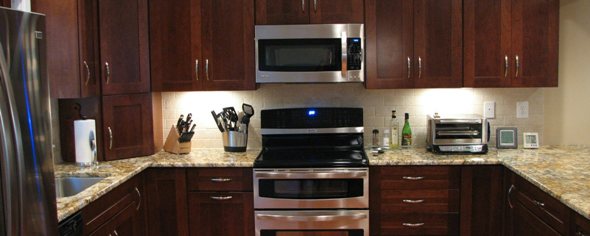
x,y
355,53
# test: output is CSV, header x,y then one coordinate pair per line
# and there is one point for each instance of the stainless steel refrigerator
x,y
27,202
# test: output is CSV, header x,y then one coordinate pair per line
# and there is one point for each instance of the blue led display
x,y
311,113
356,40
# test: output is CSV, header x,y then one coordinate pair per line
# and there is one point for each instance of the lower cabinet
x,y
580,226
221,213
119,212
167,211
530,211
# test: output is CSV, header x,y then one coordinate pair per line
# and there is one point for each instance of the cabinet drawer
x,y
420,201
582,226
420,177
219,179
420,224
541,204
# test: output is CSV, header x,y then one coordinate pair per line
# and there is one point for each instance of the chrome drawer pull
x,y
413,177
220,179
512,187
87,74
517,59
413,201
539,204
412,224
139,196
506,65
221,197
409,68
580,233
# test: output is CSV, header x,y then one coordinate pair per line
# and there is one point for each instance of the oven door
x,y
312,223
311,188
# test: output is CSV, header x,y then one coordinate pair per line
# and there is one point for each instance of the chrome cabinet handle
x,y
197,68
303,5
220,179
110,137
413,201
108,69
319,216
115,233
517,65
139,196
580,233
87,73
506,65
419,67
539,204
207,69
413,177
412,224
512,187
220,198
315,5
409,67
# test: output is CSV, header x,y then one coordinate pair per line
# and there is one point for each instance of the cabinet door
x,y
228,45
174,66
336,11
215,214
89,48
123,46
486,38
282,12
482,199
437,44
167,206
535,31
126,222
5,3
127,126
390,41
524,222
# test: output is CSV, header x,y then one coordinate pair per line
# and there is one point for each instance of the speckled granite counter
x,y
563,172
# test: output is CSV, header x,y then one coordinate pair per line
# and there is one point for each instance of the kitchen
x,y
552,112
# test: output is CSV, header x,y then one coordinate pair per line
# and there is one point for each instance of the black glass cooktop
x,y
310,158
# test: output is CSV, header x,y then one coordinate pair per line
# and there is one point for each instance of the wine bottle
x,y
407,132
394,126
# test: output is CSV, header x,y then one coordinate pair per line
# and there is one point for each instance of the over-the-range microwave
x,y
315,53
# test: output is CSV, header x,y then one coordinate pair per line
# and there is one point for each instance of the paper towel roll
x,y
85,144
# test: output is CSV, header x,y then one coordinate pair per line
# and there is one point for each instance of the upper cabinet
x,y
89,39
213,46
511,43
413,44
278,12
124,55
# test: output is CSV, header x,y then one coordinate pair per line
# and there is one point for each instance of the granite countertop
x,y
563,172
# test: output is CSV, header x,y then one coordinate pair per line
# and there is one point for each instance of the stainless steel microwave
x,y
315,53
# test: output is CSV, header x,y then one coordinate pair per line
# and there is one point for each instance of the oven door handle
x,y
344,45
311,175
314,218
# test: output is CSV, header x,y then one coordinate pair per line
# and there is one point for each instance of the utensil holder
x,y
173,146
235,141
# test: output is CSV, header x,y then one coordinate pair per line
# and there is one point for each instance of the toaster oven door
x,y
461,133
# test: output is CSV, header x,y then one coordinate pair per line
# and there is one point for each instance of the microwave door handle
x,y
344,55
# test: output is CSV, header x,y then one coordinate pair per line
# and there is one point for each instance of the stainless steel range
x,y
312,176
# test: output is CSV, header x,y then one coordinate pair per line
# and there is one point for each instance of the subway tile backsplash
x,y
377,105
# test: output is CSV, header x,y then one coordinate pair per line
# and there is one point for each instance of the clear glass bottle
x,y
394,127
407,132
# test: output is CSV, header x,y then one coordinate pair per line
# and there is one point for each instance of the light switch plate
x,y
489,110
522,109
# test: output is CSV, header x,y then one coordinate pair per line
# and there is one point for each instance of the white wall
x,y
567,108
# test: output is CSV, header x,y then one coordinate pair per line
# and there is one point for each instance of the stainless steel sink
x,y
70,186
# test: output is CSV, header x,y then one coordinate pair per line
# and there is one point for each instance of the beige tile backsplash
x,y
377,105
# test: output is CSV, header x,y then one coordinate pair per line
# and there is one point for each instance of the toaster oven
x,y
468,134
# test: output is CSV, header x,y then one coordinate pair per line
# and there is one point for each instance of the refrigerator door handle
x,y
11,156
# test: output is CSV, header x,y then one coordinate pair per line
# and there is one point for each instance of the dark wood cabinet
x,y
119,212
530,211
511,43
167,201
226,213
415,200
413,44
215,45
220,201
124,49
281,12
5,3
127,126
482,200
581,225
72,46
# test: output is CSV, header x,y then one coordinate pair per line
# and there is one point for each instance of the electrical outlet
x,y
489,110
522,109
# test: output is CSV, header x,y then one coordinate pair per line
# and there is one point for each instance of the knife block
x,y
173,146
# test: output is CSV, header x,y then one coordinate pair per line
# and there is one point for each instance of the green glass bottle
x,y
407,132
